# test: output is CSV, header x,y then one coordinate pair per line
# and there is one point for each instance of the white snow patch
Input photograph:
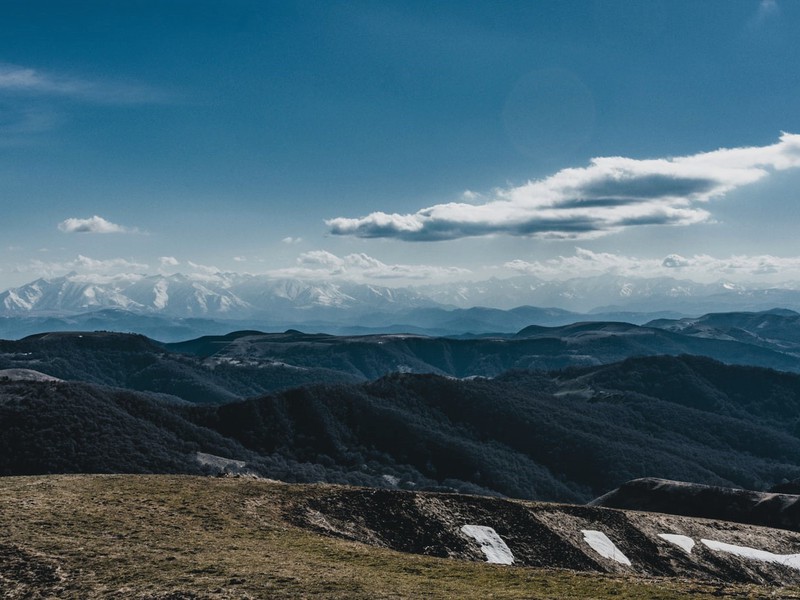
x,y
161,298
682,541
214,361
492,544
391,480
600,543
219,462
788,560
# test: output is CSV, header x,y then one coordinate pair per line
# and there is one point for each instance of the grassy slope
x,y
174,537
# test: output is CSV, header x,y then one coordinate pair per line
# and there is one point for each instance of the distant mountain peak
x,y
233,296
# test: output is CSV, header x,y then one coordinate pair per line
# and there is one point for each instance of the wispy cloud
x,y
767,9
168,261
324,265
200,269
86,268
15,79
611,194
699,267
92,264
93,224
23,120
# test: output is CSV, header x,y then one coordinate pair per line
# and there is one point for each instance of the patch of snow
x,y
161,295
219,462
682,541
788,560
391,479
492,545
251,363
600,543
14,300
679,291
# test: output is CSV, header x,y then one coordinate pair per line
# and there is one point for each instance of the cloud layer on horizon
x,y
611,194
86,269
318,265
321,265
357,266
700,267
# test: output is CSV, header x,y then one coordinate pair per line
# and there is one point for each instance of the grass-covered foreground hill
x,y
178,537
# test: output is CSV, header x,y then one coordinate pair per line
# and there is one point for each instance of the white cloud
x,y
25,80
700,267
203,272
292,240
93,224
767,9
105,265
168,261
359,267
320,259
17,122
239,259
611,194
469,195
85,268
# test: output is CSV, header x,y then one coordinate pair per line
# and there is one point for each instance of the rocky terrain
x,y
170,537
769,509
555,535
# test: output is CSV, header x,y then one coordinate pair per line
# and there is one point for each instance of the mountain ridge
x,y
283,301
568,435
244,363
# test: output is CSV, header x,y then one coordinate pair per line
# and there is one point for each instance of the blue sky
x,y
264,137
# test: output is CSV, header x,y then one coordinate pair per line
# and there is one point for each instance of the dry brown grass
x,y
173,537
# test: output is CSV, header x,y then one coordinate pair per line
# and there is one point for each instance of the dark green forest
x,y
566,435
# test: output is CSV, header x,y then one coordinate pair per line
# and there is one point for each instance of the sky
x,y
406,142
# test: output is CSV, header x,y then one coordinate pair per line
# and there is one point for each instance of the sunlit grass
x,y
148,536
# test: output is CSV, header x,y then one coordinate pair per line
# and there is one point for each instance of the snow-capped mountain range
x,y
232,296
224,295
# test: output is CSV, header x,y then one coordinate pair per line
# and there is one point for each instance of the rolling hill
x,y
568,435
167,537
224,368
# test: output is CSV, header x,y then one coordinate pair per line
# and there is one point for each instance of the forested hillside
x,y
243,364
566,435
